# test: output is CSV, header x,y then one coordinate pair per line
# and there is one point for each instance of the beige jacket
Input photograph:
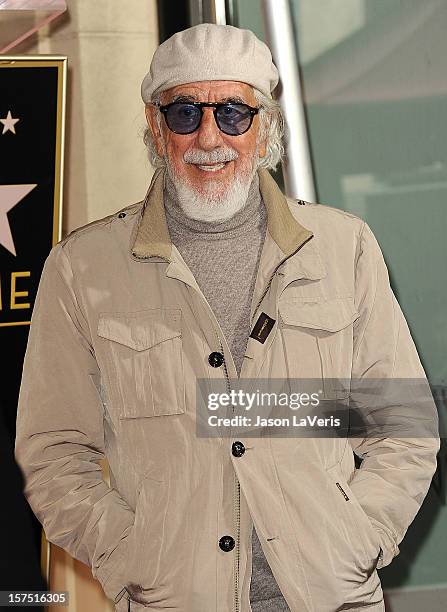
x,y
120,332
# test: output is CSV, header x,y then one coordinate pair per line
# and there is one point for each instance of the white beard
x,y
213,203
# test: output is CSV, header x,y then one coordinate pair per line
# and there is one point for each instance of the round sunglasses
x,y
231,118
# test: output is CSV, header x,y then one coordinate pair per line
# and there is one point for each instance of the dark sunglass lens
x,y
233,119
183,118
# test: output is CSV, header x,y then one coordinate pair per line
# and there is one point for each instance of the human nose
x,y
209,136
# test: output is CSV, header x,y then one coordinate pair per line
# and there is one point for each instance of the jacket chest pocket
x,y
318,336
144,361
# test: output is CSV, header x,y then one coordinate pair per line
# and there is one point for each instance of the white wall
x,y
109,44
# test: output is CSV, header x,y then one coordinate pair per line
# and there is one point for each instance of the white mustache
x,y
217,156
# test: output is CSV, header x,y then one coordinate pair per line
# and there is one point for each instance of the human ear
x,y
152,123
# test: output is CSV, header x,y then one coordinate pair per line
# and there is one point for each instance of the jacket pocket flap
x,y
330,315
140,330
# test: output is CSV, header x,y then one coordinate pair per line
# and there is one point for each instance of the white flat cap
x,y
210,52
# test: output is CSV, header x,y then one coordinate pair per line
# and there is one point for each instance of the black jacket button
x,y
237,448
226,543
215,359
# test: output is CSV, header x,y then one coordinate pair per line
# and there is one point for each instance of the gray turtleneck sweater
x,y
223,257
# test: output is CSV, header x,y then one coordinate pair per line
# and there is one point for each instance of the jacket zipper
x,y
271,278
237,508
237,496
263,295
237,547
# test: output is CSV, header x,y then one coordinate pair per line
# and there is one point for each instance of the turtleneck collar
x,y
248,215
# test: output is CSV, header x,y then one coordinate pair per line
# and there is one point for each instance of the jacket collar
x,y
152,237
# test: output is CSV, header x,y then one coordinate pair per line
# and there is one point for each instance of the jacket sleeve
x,y
399,460
60,437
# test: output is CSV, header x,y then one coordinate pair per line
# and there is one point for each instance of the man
x,y
216,276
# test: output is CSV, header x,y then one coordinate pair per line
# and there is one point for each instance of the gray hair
x,y
271,124
271,129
